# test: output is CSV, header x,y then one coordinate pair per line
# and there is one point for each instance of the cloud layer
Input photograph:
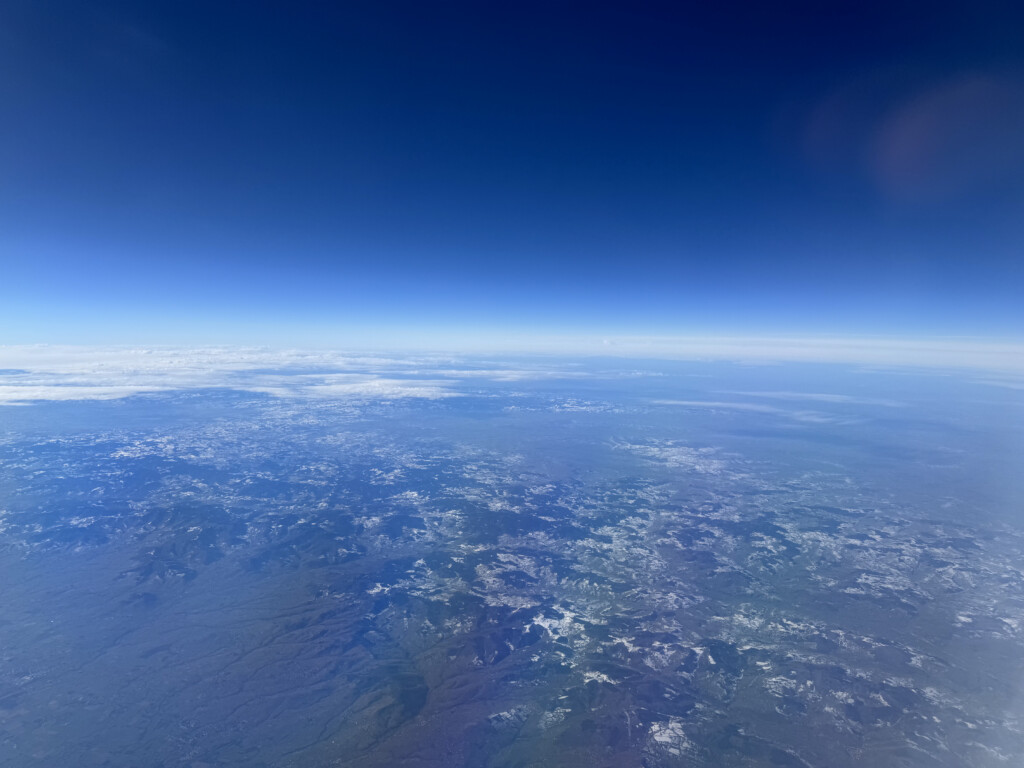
x,y
102,373
35,373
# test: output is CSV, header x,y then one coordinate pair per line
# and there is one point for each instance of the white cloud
x,y
29,374
21,395
347,386
32,373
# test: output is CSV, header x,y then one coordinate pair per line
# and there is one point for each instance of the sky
x,y
378,172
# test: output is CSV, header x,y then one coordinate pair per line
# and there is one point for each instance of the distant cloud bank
x,y
957,353
38,373
103,373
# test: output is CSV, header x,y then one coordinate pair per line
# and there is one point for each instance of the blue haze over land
x,y
215,558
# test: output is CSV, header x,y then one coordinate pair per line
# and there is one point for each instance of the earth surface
x,y
516,563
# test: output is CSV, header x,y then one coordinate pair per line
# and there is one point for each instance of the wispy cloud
x,y
821,398
814,417
722,404
1005,383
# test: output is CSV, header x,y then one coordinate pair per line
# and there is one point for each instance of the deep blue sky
x,y
300,172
